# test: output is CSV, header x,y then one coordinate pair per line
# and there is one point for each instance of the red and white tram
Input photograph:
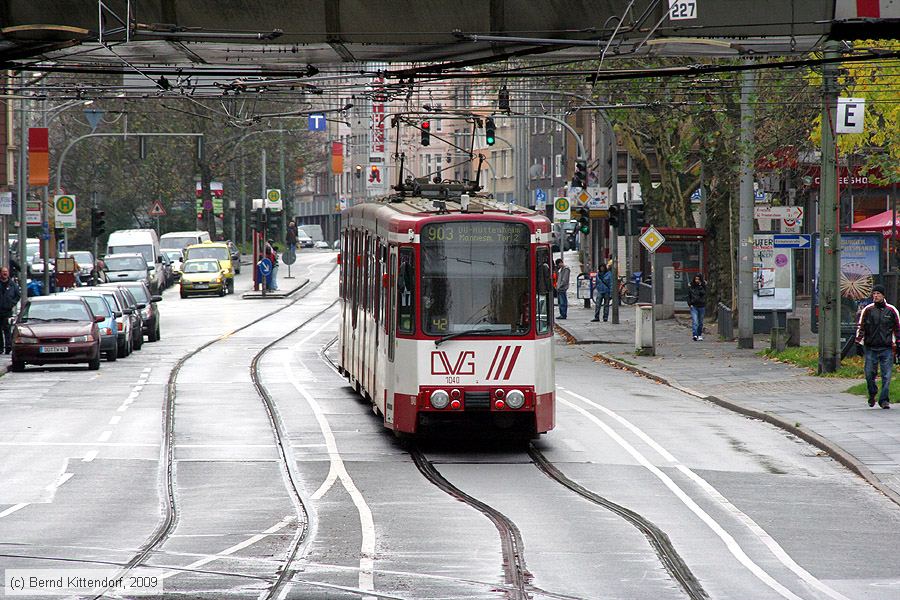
x,y
447,311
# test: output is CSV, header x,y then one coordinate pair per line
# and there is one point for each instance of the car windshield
x,y
61,310
201,266
126,264
143,249
177,242
113,301
217,252
139,293
173,254
98,305
475,276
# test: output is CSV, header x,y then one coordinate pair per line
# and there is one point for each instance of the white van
x,y
179,240
142,241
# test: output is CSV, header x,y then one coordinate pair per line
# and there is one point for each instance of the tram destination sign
x,y
463,232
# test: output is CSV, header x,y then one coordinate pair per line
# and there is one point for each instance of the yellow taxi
x,y
203,276
214,250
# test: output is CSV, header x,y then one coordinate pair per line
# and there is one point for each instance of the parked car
x,y
102,304
56,329
323,245
129,267
216,251
142,241
127,299
150,311
124,320
203,276
166,273
176,257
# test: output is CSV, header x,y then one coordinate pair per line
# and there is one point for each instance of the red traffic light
x,y
426,124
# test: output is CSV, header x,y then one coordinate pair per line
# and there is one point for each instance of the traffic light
x,y
490,131
584,222
258,220
615,215
426,133
503,99
638,220
98,222
273,223
579,179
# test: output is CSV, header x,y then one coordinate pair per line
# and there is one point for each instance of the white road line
x,y
59,481
104,437
366,521
13,509
730,542
122,408
148,369
111,444
231,550
90,456
115,420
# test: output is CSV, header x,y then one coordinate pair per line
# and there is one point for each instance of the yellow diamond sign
x,y
652,239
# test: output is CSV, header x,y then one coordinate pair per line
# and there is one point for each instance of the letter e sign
x,y
851,114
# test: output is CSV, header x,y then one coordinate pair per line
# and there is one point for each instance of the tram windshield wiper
x,y
456,334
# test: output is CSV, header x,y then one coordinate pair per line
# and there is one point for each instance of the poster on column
x,y
773,275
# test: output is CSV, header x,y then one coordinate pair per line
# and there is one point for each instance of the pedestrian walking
x,y
292,235
562,285
602,293
697,302
9,297
878,330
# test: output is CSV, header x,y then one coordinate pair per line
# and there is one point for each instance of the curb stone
x,y
833,450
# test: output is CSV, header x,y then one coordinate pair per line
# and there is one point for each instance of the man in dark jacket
x,y
9,297
878,330
562,288
697,302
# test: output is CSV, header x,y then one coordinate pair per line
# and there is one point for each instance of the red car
x,y
56,329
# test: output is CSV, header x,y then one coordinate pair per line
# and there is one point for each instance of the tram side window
x,y
543,288
406,291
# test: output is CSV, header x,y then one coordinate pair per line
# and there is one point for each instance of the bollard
x,y
793,332
778,339
644,330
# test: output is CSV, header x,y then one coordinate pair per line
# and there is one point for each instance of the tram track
x,y
167,451
662,545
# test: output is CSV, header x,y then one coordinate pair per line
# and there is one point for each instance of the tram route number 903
x,y
439,234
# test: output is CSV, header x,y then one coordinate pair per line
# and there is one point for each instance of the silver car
x,y
127,267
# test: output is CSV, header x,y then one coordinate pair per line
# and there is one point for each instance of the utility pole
x,y
614,234
829,257
745,214
629,202
281,183
22,192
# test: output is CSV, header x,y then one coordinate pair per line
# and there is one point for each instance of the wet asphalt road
x,y
752,511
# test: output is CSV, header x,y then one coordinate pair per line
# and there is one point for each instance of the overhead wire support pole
x,y
745,215
829,234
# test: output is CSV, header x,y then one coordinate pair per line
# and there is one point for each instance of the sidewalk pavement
x,y
816,409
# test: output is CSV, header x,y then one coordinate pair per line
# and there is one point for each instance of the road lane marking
x,y
115,420
104,437
59,481
767,540
232,549
111,444
366,521
90,456
13,509
122,408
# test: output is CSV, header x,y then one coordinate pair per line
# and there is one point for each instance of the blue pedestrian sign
x,y
540,195
799,241
317,122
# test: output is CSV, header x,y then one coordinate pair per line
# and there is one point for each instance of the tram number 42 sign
x,y
680,10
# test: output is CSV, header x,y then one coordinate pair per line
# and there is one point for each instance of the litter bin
x,y
725,322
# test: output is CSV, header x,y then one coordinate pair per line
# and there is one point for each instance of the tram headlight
x,y
515,399
439,399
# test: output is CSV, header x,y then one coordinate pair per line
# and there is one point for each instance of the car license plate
x,y
201,286
53,349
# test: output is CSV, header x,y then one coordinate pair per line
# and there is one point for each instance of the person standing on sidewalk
x,y
697,302
562,285
878,330
9,297
602,292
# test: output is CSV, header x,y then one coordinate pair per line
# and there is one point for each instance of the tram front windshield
x,y
475,277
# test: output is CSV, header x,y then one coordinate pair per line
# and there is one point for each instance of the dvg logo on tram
x,y
502,364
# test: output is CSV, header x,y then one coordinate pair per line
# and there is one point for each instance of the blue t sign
x,y
317,122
